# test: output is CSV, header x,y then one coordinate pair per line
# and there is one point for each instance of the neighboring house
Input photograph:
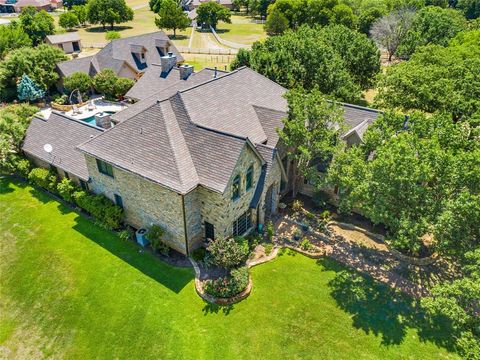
x,y
68,42
193,4
129,57
47,5
202,161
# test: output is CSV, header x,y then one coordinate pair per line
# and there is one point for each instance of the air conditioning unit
x,y
141,238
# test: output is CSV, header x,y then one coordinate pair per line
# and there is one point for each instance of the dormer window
x,y
249,178
236,188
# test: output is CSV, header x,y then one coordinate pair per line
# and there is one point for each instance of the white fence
x,y
188,50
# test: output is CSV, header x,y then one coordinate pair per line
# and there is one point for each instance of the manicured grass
x,y
241,30
70,289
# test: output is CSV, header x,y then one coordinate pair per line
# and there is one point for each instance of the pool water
x,y
91,119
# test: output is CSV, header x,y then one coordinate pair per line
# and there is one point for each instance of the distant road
x,y
138,7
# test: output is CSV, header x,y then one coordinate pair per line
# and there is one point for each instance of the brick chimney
x,y
185,71
168,62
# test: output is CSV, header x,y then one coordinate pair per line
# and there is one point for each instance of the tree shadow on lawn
x,y
215,309
100,29
376,307
5,187
169,276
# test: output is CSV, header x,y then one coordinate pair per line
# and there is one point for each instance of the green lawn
x,y
70,289
241,30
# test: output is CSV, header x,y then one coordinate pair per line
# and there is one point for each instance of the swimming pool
x,y
91,119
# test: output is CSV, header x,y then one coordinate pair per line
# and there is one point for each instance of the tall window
x,y
249,182
105,168
236,188
242,224
118,200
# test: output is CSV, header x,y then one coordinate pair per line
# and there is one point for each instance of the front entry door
x,y
209,231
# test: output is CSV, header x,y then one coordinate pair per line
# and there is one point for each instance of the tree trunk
x,y
390,54
174,33
111,26
295,180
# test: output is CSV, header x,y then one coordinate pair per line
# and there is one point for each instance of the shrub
x,y
155,236
320,198
325,215
112,35
126,234
65,189
270,230
100,207
78,80
306,245
228,253
61,99
43,178
297,205
309,215
254,239
122,85
228,286
22,166
104,82
199,254
268,249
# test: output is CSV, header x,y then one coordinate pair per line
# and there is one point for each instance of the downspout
x,y
185,223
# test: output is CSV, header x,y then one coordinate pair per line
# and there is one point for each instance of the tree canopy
x,y
109,12
436,78
37,24
28,90
78,80
68,20
171,16
38,63
336,60
210,13
12,37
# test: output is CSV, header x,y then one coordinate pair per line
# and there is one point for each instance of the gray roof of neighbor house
x,y
155,80
118,52
63,38
64,134
194,136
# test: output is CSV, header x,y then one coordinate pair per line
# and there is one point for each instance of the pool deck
x,y
99,106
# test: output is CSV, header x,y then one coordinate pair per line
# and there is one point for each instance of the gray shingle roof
x,y
184,138
64,134
62,38
118,52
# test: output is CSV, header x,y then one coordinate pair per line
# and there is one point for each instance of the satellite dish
x,y
48,148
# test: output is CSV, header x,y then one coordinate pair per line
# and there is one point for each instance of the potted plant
x,y
297,234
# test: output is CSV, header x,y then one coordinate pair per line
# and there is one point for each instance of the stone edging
x,y
246,292
359,229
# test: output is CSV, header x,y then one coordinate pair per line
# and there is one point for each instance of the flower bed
x,y
228,286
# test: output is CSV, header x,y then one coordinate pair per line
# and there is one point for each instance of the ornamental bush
x,y
228,253
65,189
43,178
100,207
228,286
155,236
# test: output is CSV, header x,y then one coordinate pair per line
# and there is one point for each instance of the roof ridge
x,y
358,107
209,81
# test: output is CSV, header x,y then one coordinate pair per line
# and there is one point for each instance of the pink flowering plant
x,y
228,286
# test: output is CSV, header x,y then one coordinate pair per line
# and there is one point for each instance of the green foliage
x,y
310,132
306,245
268,248
36,24
109,12
276,23
431,25
406,177
37,63
78,80
228,286
112,35
368,17
199,254
121,87
210,13
126,234
155,235
335,59
22,166
12,37
270,230
242,59
297,205
65,189
71,4
43,178
81,11
436,78
228,253
100,207
14,121
104,82
68,20
28,90
155,5
171,16
470,8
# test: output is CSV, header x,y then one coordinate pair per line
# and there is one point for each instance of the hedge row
x,y
99,206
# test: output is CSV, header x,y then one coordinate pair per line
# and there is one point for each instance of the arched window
x,y
249,180
236,188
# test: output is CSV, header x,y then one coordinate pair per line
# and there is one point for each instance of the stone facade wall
x,y
274,179
144,201
219,209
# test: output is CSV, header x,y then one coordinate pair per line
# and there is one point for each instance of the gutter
x,y
185,224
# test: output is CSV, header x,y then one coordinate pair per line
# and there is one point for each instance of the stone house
x,y
202,161
69,42
129,57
